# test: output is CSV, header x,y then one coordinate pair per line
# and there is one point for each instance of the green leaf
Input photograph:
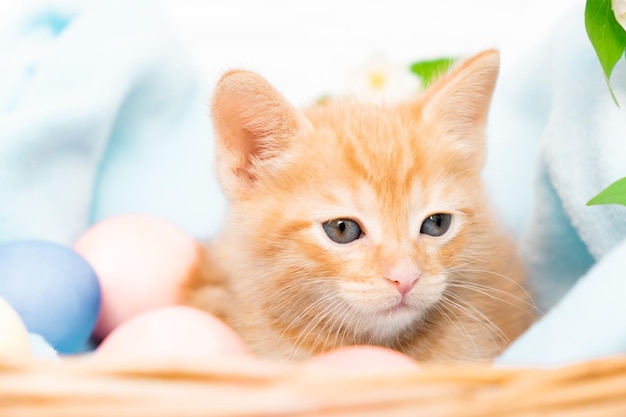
x,y
613,194
428,71
606,35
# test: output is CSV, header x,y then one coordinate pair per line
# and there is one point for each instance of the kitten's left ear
x,y
459,102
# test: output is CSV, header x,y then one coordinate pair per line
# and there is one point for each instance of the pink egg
x,y
141,262
174,332
364,358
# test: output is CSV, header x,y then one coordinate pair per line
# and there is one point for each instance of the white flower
x,y
384,81
619,9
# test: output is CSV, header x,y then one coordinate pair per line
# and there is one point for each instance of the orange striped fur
x,y
291,292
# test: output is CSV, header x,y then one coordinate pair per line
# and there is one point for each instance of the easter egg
x,y
13,335
175,332
53,289
365,359
141,261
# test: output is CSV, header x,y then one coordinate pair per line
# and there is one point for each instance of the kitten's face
x,y
351,217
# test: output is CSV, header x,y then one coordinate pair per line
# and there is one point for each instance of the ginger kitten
x,y
353,223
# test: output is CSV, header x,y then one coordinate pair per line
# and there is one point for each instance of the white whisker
x,y
461,269
479,317
304,312
313,324
484,289
458,330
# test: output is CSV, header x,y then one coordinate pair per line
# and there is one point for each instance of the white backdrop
x,y
306,48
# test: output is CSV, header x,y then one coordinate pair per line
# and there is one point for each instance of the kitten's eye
x,y
436,224
342,230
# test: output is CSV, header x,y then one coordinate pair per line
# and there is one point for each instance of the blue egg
x,y
53,289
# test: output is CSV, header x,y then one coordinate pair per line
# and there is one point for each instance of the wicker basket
x,y
85,388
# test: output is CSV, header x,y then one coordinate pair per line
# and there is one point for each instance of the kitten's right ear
x,y
253,124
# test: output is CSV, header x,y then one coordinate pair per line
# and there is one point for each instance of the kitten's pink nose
x,y
403,279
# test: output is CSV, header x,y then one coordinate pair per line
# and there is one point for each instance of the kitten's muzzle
x,y
403,278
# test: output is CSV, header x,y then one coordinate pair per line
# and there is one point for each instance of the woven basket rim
x,y
246,387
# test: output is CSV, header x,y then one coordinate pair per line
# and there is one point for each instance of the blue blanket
x,y
576,255
101,113
96,122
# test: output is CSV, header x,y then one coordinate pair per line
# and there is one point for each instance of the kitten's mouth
x,y
401,306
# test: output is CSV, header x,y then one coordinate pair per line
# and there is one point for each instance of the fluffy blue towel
x,y
40,348
576,254
101,113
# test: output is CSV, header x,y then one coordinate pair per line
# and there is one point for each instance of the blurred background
x,y
307,48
